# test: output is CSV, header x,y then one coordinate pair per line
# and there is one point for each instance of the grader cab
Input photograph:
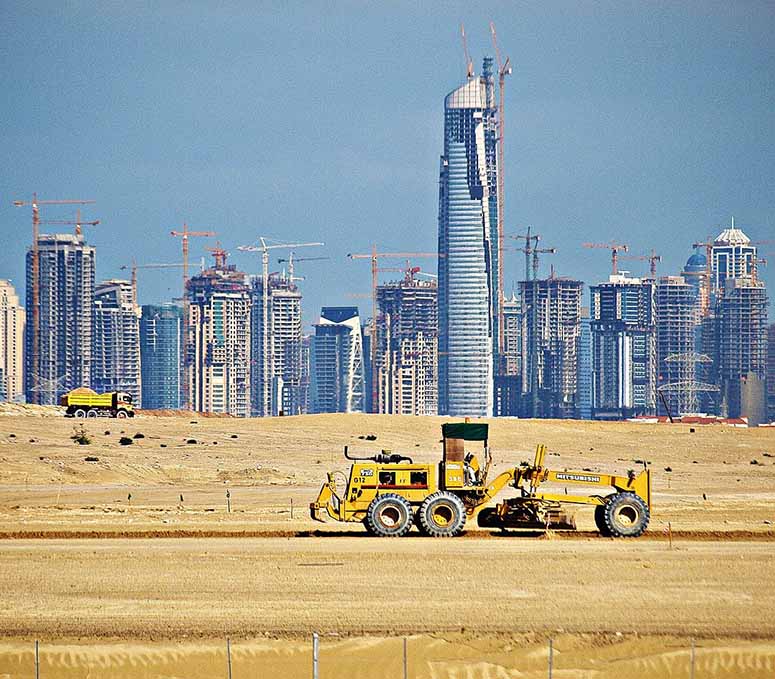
x,y
390,493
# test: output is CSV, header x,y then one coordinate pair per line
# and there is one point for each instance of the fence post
x,y
291,509
406,662
228,655
315,645
691,667
37,661
228,501
551,657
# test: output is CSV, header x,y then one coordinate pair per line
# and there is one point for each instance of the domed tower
x,y
695,273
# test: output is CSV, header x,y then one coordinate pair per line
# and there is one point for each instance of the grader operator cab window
x,y
387,478
419,478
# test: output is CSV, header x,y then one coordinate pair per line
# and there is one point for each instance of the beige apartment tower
x,y
11,344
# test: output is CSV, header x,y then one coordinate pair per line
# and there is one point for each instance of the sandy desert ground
x,y
152,586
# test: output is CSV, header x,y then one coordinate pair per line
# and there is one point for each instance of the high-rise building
x,y
407,347
771,372
508,384
623,323
306,375
277,391
742,348
62,359
585,366
116,350
695,273
550,347
469,293
218,341
161,339
732,256
337,362
11,344
677,318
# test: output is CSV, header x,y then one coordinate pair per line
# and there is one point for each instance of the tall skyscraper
x,y
695,273
733,256
585,367
337,369
508,384
218,342
771,372
624,362
161,340
742,348
469,294
11,344
279,390
550,347
116,351
64,345
407,347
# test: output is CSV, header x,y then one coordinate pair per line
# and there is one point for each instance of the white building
x,y
11,344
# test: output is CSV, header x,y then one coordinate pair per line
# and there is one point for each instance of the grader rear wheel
x,y
626,515
442,515
389,516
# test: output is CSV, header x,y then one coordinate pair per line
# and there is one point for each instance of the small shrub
x,y
91,458
138,435
371,437
80,436
125,441
189,441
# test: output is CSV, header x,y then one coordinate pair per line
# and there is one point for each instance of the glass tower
x,y
469,297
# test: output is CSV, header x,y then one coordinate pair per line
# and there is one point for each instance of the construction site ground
x,y
152,585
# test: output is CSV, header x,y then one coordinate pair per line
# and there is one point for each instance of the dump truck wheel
x,y
79,413
92,413
121,414
389,516
600,521
442,515
626,515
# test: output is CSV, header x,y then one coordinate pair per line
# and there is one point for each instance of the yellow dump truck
x,y
84,402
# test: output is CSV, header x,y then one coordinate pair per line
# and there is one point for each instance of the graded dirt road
x,y
482,606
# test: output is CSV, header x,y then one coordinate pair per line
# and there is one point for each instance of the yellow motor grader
x,y
389,493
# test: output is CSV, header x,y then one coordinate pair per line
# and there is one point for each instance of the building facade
x,y
59,359
161,341
771,372
407,347
276,351
732,256
742,349
469,294
337,370
12,318
217,347
623,324
550,347
116,350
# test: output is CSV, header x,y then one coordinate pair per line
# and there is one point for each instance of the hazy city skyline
x,y
650,125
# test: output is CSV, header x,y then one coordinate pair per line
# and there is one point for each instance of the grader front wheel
x,y
625,515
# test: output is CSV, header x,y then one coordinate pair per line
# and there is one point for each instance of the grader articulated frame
x,y
390,493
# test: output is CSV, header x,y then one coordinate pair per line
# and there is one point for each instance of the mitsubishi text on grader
x,y
390,493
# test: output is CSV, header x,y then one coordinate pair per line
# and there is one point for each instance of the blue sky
x,y
650,123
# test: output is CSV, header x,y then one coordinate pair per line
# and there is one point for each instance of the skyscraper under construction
x,y
469,293
407,347
62,359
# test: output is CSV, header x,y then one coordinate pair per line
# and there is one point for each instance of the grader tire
x,y
600,521
389,516
442,515
626,515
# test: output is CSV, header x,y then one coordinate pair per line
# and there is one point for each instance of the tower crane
x,y
469,63
504,69
531,242
264,248
35,267
135,266
184,235
78,222
219,254
292,259
615,249
652,259
375,256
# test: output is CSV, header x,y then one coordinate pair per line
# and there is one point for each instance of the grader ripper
x,y
390,493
